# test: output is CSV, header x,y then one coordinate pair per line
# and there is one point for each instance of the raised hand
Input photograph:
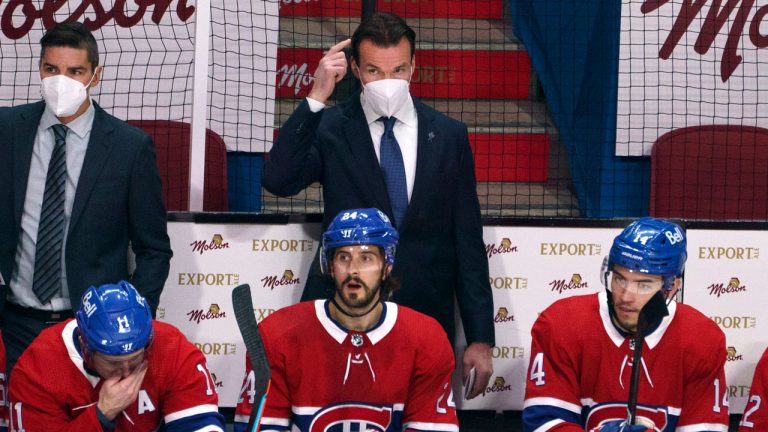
x,y
117,393
330,70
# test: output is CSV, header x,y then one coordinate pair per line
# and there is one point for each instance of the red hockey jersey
x,y
755,416
50,390
394,377
3,389
581,363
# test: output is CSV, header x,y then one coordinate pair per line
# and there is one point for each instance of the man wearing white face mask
x,y
384,149
77,186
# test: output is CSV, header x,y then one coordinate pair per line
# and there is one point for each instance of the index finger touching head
x,y
340,46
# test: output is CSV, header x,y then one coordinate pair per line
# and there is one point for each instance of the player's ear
x,y
386,272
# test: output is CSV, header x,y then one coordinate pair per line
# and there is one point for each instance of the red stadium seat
x,y
172,145
711,172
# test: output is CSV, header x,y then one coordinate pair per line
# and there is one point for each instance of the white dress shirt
x,y
406,131
77,143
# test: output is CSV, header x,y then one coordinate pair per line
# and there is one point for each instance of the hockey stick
x,y
652,312
246,322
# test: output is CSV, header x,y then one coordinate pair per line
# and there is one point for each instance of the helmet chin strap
x,y
655,314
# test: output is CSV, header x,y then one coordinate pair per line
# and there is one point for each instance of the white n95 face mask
x,y
386,96
63,95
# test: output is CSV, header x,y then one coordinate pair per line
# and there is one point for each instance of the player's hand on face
x,y
478,356
330,70
620,426
117,393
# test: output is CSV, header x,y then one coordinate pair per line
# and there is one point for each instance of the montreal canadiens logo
x,y
352,417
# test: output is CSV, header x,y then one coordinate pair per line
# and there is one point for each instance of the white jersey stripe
x,y
199,409
272,421
209,429
552,402
548,425
443,427
703,427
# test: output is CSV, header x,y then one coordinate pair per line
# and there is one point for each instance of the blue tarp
x,y
574,48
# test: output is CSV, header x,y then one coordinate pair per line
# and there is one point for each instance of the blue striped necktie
x,y
50,231
393,169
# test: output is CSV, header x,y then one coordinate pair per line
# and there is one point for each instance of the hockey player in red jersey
x,y
582,350
3,388
112,368
356,362
755,416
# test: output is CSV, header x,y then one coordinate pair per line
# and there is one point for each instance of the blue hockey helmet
x,y
651,246
359,227
114,319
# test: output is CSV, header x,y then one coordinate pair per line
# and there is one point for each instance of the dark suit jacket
x,y
118,200
441,250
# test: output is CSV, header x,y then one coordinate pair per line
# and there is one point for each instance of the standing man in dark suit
x,y
383,149
78,186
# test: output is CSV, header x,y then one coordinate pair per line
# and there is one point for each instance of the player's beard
x,y
360,299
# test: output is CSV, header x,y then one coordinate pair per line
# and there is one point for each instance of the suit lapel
x,y
99,147
365,170
24,134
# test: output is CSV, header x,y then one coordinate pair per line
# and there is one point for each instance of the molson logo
x,y
503,248
507,352
712,23
499,385
731,253
734,286
214,312
732,356
575,283
503,316
19,15
217,382
287,279
295,76
217,242
282,245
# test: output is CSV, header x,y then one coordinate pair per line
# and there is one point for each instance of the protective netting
x,y
563,101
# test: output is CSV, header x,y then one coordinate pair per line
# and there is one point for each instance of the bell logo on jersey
x,y
144,402
352,417
618,411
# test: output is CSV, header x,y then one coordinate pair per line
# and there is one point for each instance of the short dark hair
x,y
384,30
71,34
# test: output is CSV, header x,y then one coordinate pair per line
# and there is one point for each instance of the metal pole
x,y
199,105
